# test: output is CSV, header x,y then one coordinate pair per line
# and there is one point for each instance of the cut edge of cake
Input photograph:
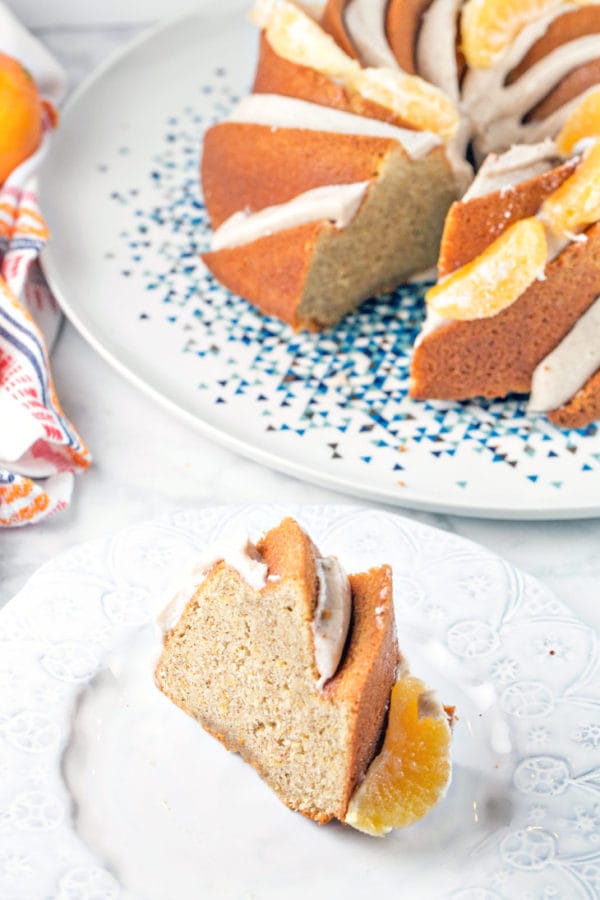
x,y
242,654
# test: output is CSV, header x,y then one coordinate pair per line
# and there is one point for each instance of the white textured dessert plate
x,y
122,196
109,791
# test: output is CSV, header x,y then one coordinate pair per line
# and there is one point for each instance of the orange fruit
x,y
412,771
496,278
583,122
20,115
420,104
489,26
576,203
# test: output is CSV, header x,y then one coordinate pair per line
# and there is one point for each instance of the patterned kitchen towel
x,y
39,449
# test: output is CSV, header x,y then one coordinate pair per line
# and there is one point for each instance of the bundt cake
x,y
516,308
332,181
292,664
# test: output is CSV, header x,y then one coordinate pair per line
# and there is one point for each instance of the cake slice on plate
x,y
292,664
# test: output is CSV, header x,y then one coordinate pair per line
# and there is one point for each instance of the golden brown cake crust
x,y
582,409
246,166
567,27
288,550
231,692
313,274
472,225
572,85
403,21
276,75
270,272
495,356
332,21
369,668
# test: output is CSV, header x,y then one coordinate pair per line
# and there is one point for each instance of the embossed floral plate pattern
x,y
122,196
99,769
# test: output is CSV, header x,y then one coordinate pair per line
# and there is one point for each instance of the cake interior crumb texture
x,y
396,232
241,662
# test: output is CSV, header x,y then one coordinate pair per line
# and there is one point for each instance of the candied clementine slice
x,y
297,37
496,278
420,104
576,203
412,771
584,122
489,26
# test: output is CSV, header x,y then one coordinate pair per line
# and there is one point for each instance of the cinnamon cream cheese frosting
x,y
332,616
365,23
515,99
500,172
288,112
562,373
235,549
336,203
333,607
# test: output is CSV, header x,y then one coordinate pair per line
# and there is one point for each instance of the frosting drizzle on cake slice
x,y
334,203
288,112
561,374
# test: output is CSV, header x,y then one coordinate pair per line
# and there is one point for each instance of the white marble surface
x,y
146,462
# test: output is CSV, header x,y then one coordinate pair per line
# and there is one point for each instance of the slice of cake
x,y
516,303
290,663
298,58
315,210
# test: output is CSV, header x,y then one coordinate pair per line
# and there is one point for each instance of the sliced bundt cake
x,y
315,209
514,69
519,277
298,58
290,663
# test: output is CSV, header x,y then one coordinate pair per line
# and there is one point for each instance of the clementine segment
x,y
584,122
576,203
489,26
420,104
412,771
20,115
496,278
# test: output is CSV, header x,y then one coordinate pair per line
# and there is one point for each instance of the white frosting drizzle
x,y
335,203
436,46
564,371
497,109
365,24
287,112
433,320
333,609
332,617
503,171
235,549
518,98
